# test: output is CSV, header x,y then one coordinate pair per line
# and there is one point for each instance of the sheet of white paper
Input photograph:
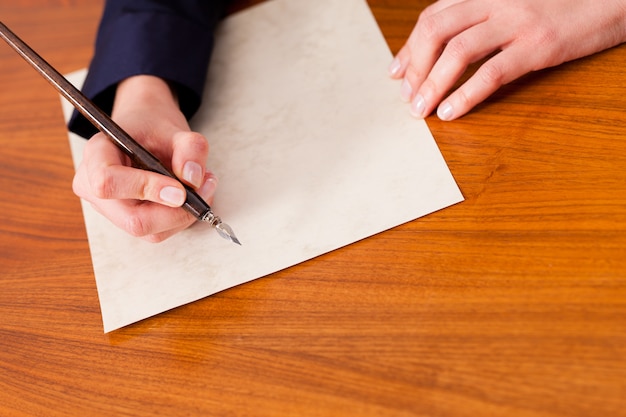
x,y
313,148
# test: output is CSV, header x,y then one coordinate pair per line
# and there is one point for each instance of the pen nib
x,y
223,229
227,233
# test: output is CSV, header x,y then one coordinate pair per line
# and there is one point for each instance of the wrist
x,y
144,91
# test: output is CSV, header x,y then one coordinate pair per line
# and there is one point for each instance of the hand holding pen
x,y
143,203
125,179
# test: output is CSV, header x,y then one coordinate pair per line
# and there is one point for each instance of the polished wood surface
x,y
512,303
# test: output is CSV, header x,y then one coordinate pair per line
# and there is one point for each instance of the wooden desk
x,y
512,303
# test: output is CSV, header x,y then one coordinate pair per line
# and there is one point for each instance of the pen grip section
x,y
144,159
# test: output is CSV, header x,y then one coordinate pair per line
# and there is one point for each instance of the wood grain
x,y
512,303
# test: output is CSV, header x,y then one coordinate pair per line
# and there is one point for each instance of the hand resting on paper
x,y
142,203
522,35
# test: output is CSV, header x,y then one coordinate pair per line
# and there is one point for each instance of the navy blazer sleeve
x,y
170,39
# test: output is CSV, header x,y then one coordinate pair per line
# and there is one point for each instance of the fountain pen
x,y
140,157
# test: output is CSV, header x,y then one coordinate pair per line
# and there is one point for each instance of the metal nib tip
x,y
227,233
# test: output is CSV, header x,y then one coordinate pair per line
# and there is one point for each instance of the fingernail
x,y
418,106
445,111
395,66
406,91
172,196
208,188
192,173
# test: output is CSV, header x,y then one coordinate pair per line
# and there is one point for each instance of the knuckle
x,y
428,12
429,28
199,140
545,36
103,185
135,226
491,74
195,142
544,41
146,190
458,49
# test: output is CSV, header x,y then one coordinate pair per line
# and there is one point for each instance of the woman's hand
x,y
525,35
145,204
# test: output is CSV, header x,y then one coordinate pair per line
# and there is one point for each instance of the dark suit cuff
x,y
153,43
